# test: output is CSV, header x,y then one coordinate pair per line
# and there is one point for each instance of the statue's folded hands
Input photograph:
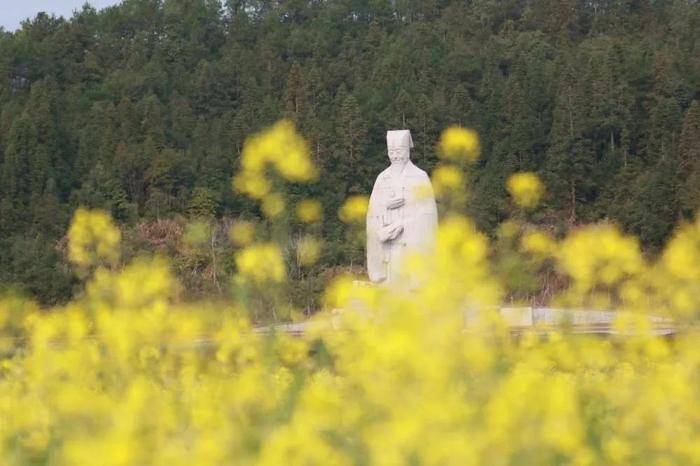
x,y
389,232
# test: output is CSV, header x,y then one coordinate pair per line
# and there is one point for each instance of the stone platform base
x,y
541,319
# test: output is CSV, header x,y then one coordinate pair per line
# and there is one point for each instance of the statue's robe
x,y
418,216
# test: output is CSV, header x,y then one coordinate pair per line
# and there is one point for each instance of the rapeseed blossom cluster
x,y
538,243
242,233
429,373
600,261
270,161
526,189
447,179
309,211
281,150
459,144
94,239
261,262
354,210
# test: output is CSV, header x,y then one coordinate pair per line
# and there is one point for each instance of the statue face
x,y
399,155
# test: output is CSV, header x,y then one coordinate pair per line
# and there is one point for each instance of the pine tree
x,y
689,158
102,189
352,130
131,162
48,160
90,142
127,120
425,132
662,137
295,93
351,134
654,211
203,203
153,123
211,96
515,136
48,214
461,107
571,157
15,175
182,121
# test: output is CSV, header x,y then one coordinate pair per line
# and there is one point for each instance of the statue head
x,y
399,144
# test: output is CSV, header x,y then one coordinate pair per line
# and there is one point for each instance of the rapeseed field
x,y
129,374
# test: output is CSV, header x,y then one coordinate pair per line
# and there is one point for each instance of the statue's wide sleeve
x,y
420,221
429,211
375,261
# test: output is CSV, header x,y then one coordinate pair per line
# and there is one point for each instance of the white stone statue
x,y
402,215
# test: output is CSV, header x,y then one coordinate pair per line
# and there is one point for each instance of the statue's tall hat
x,y
399,139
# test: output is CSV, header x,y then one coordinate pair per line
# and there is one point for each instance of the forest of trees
x,y
142,110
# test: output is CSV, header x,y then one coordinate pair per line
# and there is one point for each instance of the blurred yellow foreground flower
x,y
279,147
242,233
447,179
354,210
526,189
459,144
309,211
262,263
93,239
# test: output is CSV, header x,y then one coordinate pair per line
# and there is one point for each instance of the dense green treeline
x,y
142,109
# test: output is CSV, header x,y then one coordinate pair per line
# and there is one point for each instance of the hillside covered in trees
x,y
142,109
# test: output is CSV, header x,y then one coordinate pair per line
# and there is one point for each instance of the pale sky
x,y
12,12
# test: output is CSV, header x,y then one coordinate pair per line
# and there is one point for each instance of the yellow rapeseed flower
x,y
242,233
93,238
537,242
144,282
252,183
447,179
682,254
296,165
261,263
459,144
282,147
309,211
526,189
599,254
354,210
